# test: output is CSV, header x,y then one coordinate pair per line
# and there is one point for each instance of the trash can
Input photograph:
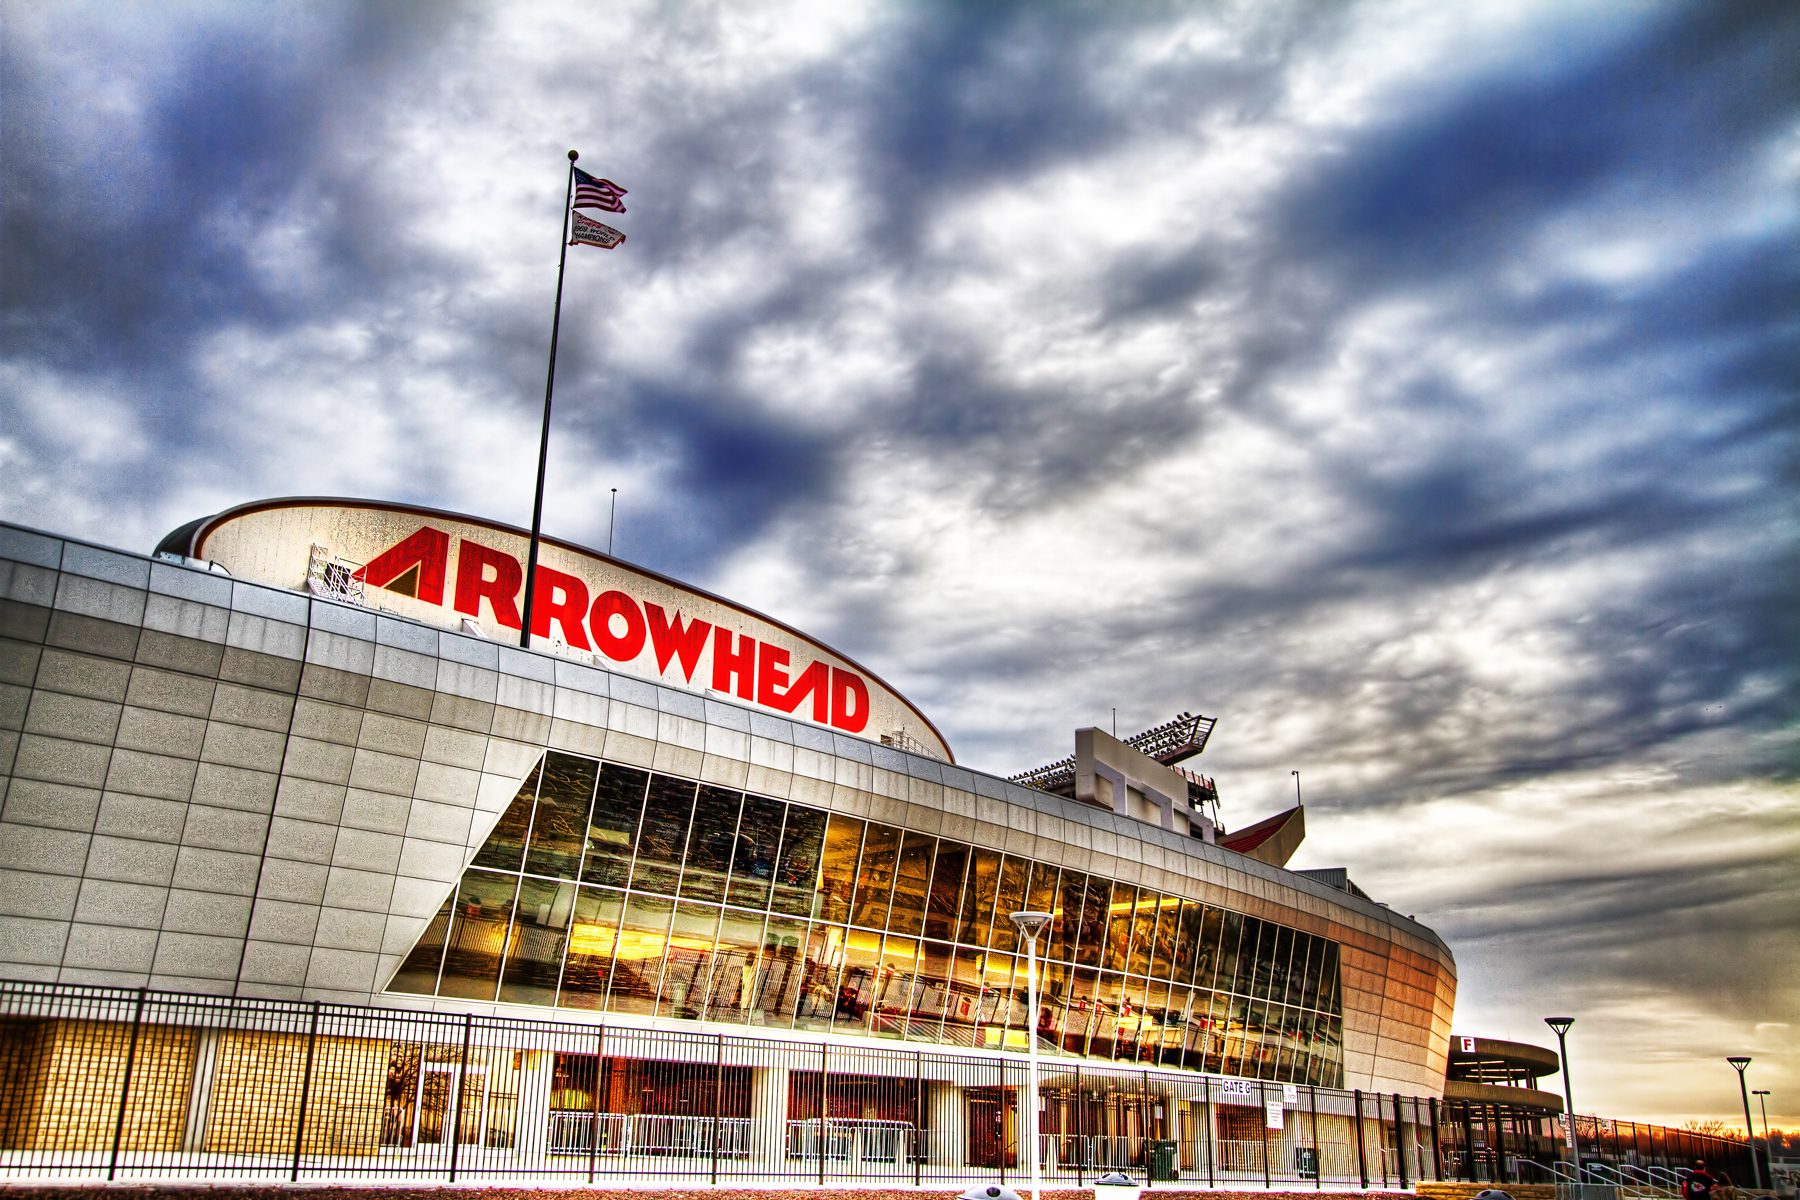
x,y
1164,1165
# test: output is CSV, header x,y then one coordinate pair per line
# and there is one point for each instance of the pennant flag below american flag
x,y
589,232
591,192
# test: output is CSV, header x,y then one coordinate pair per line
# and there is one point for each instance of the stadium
x,y
313,872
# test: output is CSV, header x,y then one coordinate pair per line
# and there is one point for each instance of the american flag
x,y
597,193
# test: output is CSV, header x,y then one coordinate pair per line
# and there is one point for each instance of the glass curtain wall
x,y
611,888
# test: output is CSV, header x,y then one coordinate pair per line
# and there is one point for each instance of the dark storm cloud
x,y
1432,424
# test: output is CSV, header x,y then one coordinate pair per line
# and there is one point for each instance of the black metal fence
x,y
114,1084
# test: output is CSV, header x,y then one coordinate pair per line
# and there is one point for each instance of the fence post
x,y
1362,1150
1262,1096
1437,1148
1212,1129
1144,1111
918,1114
1312,1104
137,1023
824,1073
594,1130
462,1087
1499,1171
312,1039
1400,1141
1469,1141
718,1098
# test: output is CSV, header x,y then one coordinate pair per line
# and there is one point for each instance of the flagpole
x,y
537,503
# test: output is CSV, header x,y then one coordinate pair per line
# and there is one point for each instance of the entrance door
x,y
987,1128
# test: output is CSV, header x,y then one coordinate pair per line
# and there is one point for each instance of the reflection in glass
x,y
824,960
934,991
593,935
946,891
692,935
613,824
667,810
897,988
710,843
1230,935
732,989
505,846
1118,926
858,984
637,967
478,935
419,973
1090,937
559,829
912,885
797,869
978,898
780,973
753,853
875,876
535,950
1009,898
837,867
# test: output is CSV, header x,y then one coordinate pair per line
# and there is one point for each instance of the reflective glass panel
x,y
934,991
1090,946
662,837
559,829
946,891
978,898
912,885
858,984
1230,935
1329,986
824,961
710,842
1053,1001
753,856
964,1008
736,969
505,847
1162,953
593,935
535,950
637,967
780,973
1068,915
1118,927
478,935
1206,951
1082,1009
897,987
797,869
837,868
692,934
875,876
419,973
1009,898
613,825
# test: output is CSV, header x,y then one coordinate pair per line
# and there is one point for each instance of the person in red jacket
x,y
1699,1184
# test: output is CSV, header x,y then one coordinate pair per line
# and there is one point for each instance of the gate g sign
x,y
446,569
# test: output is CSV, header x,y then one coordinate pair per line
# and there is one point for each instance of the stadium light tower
x,y
1561,1025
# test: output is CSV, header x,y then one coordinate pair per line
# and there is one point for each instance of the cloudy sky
x,y
1411,386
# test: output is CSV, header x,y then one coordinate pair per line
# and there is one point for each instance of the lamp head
x,y
1030,924
1740,1061
1560,1024
1759,1091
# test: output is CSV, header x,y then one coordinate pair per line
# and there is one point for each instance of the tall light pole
x,y
1296,776
1561,1025
1768,1149
1740,1061
1030,924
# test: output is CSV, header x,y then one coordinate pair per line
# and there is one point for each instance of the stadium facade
x,y
296,756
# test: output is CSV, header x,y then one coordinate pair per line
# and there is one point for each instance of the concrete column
x,y
949,1124
531,1125
200,1091
768,1117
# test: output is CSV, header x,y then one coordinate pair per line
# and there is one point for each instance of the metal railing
x,y
110,1084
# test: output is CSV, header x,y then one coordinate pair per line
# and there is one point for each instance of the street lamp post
x,y
1768,1148
1740,1061
1561,1025
1030,924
